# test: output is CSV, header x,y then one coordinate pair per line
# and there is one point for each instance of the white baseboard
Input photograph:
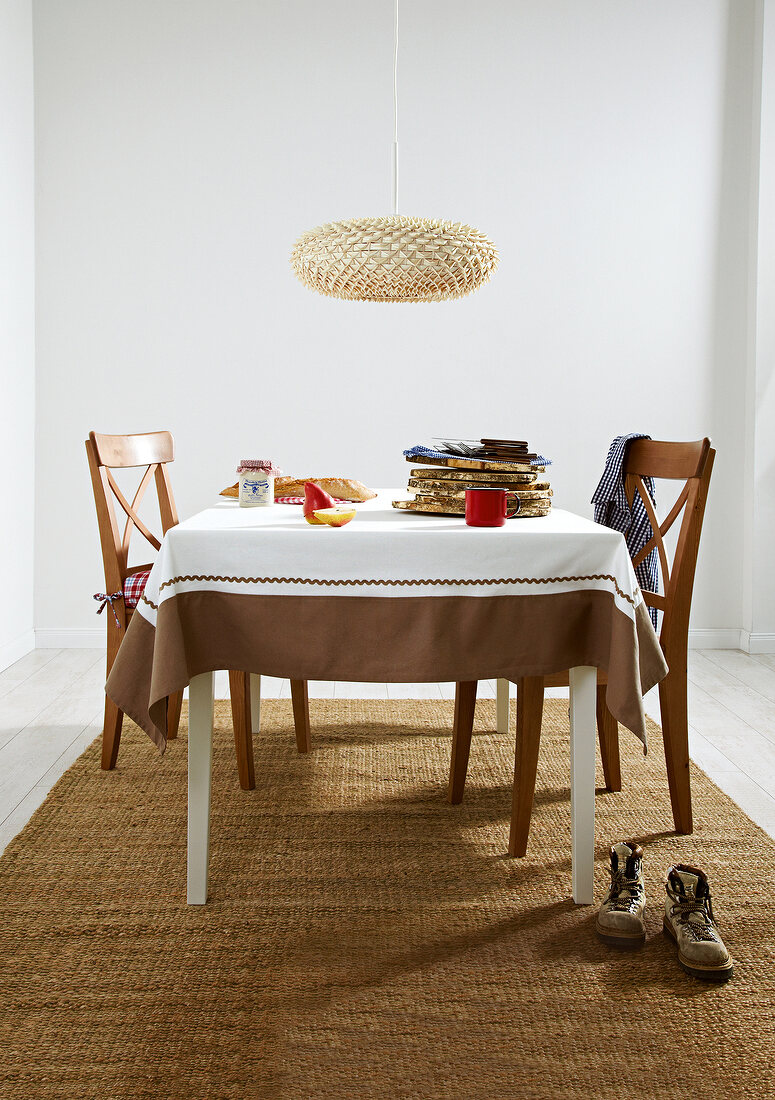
x,y
758,643
727,638
18,648
70,638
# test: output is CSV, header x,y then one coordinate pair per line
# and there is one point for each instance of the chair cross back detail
x,y
112,452
688,462
133,520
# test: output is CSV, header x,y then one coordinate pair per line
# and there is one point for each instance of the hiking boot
x,y
689,920
620,920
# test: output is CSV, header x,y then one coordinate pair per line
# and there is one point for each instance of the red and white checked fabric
x,y
134,586
300,500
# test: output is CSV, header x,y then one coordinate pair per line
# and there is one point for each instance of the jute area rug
x,y
364,938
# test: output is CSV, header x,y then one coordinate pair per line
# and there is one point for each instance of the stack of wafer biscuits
x,y
439,484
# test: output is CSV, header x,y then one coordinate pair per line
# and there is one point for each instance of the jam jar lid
x,y
258,465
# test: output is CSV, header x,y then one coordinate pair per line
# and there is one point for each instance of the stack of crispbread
x,y
439,483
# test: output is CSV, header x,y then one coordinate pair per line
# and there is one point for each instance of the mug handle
x,y
518,507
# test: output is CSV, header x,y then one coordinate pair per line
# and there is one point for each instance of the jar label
x,y
256,490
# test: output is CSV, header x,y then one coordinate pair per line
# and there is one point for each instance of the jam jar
x,y
256,482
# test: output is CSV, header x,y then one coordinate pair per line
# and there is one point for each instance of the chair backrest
x,y
691,463
113,452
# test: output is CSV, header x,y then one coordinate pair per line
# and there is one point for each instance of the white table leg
x,y
200,757
255,702
583,696
502,706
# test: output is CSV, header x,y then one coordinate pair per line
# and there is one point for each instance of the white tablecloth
x,y
391,596
387,553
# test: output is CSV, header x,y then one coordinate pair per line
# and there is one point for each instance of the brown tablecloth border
x,y
400,639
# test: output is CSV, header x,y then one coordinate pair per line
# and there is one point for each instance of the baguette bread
x,y
341,487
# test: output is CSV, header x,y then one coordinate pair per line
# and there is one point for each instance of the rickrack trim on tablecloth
x,y
376,581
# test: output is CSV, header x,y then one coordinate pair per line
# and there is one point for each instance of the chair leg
x,y
174,703
239,689
111,734
111,730
530,709
463,728
501,706
675,731
255,701
300,699
608,736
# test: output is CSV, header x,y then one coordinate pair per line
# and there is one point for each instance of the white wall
x,y
17,329
182,147
761,622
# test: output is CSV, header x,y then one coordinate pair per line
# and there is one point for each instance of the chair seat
x,y
134,586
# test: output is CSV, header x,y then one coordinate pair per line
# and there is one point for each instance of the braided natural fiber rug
x,y
363,937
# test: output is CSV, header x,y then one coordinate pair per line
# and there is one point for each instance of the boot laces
x,y
683,908
625,892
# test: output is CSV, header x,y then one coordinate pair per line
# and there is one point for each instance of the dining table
x,y
390,597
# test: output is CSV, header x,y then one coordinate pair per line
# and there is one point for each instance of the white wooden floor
x,y
51,709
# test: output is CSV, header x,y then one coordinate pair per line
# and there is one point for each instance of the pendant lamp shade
x,y
394,259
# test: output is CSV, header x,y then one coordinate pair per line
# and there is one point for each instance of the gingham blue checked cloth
x,y
428,452
613,510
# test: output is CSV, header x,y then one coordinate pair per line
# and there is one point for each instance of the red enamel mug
x,y
489,507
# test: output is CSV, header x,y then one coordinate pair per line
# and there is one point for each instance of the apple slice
x,y
334,517
315,497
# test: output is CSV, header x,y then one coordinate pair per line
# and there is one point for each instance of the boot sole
x,y
721,973
629,941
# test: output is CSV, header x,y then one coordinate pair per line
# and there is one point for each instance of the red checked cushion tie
x,y
134,586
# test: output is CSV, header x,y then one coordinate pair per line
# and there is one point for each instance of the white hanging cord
x,y
395,110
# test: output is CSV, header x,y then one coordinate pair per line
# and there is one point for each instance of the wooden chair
x,y
123,585
691,463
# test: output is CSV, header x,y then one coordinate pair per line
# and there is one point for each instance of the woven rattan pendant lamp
x,y
394,259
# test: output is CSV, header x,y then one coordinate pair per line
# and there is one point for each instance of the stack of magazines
x,y
442,471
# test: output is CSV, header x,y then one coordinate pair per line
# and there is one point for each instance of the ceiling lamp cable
x,y
395,109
